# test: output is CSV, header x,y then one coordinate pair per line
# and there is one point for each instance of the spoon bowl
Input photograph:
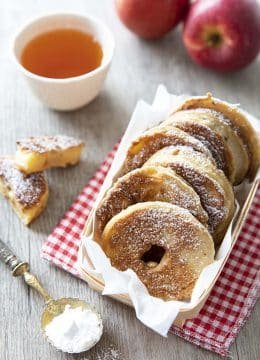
x,y
54,308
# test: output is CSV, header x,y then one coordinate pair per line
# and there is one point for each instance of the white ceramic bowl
x,y
69,93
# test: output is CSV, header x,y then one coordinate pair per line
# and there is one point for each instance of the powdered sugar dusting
x,y
42,144
201,174
196,127
222,118
109,353
27,189
132,233
156,139
230,122
148,184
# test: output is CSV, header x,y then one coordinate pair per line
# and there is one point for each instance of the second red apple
x,y
151,19
223,34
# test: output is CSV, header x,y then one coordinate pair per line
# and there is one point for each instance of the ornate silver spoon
x,y
53,308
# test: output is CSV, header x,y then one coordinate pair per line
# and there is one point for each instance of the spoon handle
x,y
12,261
19,268
32,281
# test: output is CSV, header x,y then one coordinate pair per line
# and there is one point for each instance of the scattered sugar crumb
x,y
109,353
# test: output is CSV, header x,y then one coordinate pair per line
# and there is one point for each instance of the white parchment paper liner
x,y
153,312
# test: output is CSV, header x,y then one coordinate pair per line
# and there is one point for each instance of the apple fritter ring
x,y
226,147
216,193
150,183
155,139
164,244
236,119
193,123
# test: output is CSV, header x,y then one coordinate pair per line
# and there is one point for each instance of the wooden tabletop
x,y
138,67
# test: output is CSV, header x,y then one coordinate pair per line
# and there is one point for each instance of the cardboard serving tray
x,y
95,281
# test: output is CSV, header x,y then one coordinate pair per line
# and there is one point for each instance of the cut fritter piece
x,y
150,183
27,194
216,193
155,139
164,244
238,122
42,152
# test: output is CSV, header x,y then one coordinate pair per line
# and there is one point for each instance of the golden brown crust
x,y
226,146
216,193
43,144
238,122
212,140
155,139
36,154
149,183
164,244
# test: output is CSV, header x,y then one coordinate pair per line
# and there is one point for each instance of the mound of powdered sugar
x,y
75,330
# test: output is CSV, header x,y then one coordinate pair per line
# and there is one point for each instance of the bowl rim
x,y
97,22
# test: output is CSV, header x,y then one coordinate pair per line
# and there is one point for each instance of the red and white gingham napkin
x,y
233,296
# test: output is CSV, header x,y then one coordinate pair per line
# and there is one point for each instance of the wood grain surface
x,y
138,67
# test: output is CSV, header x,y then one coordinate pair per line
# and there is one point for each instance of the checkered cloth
x,y
233,296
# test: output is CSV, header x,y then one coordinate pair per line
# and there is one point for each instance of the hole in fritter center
x,y
153,256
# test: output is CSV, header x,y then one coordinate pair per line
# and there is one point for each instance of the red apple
x,y
151,19
223,34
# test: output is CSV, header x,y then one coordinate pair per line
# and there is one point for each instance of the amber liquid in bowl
x,y
62,53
